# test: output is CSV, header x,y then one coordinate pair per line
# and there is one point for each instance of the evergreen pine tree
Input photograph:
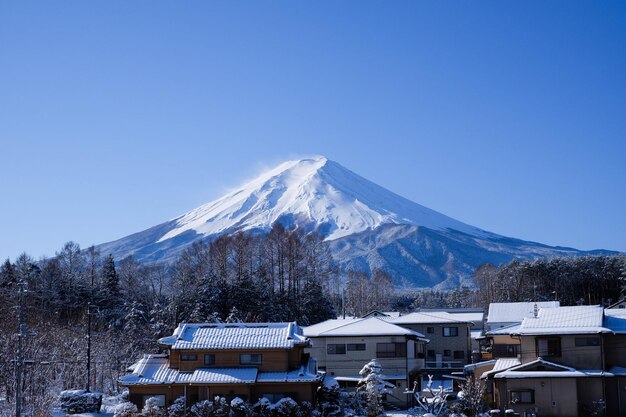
x,y
8,276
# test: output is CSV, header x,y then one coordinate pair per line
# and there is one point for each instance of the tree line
x,y
591,280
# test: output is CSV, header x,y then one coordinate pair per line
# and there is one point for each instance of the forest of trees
x,y
284,275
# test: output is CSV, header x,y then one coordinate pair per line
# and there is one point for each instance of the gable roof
x,y
504,330
430,317
540,368
155,370
501,364
235,336
515,312
565,320
618,304
371,326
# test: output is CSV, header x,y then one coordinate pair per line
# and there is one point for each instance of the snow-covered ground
x,y
400,413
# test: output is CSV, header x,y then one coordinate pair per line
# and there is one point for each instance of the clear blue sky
x,y
118,115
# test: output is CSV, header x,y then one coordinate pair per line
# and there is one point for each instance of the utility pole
x,y
19,362
88,387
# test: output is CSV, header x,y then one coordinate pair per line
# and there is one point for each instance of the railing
x,y
444,364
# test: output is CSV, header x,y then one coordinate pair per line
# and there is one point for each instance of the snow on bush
x,y
151,408
240,408
177,409
80,401
262,408
126,409
372,387
286,407
203,409
222,408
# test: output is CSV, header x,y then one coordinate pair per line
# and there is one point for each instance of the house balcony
x,y
445,364
415,364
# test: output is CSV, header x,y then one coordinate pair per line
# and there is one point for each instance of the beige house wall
x,y
350,363
579,357
440,343
554,397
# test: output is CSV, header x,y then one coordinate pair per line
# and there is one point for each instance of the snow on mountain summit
x,y
317,193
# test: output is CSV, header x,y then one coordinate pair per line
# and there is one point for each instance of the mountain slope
x,y
366,225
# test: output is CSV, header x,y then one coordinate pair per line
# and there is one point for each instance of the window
x,y
431,353
334,349
587,341
447,352
209,359
450,331
390,350
505,351
159,397
548,346
523,397
250,359
430,330
188,357
459,354
356,346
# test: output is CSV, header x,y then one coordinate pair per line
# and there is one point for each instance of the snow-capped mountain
x,y
366,225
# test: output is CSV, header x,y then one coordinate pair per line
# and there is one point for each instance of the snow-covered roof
x,y
476,318
510,329
618,371
154,369
317,329
565,320
615,320
292,376
151,369
540,368
371,326
219,376
430,317
475,334
235,336
471,367
501,365
515,312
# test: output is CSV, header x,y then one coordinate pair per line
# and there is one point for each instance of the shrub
x,y
151,408
80,401
126,409
203,409
286,407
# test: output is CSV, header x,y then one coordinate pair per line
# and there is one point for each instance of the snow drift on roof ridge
x,y
315,193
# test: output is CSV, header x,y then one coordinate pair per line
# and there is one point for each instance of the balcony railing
x,y
444,364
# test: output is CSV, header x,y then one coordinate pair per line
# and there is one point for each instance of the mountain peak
x,y
366,226
313,193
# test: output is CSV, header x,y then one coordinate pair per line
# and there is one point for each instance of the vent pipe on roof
x,y
535,310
